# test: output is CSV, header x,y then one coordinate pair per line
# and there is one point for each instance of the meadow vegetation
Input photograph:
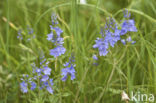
x,y
26,41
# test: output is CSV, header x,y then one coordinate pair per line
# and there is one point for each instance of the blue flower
x,y
54,19
129,39
128,26
56,40
95,57
68,70
44,78
133,42
57,51
126,13
123,41
59,41
30,30
55,37
48,85
66,64
51,82
109,38
49,89
116,32
102,45
57,30
38,71
42,61
50,36
111,34
43,84
24,87
33,85
41,74
20,36
46,70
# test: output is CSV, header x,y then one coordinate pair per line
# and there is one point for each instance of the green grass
x,y
128,68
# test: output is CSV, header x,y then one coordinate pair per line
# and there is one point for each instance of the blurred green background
x,y
128,68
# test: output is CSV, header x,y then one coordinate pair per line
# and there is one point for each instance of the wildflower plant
x,y
111,34
41,77
55,37
68,70
127,26
41,73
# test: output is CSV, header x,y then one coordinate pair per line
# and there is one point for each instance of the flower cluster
x,y
41,72
20,34
129,40
26,80
24,85
40,75
30,30
111,34
30,35
95,59
55,37
68,70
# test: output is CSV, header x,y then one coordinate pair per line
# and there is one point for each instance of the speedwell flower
x,y
55,37
68,70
